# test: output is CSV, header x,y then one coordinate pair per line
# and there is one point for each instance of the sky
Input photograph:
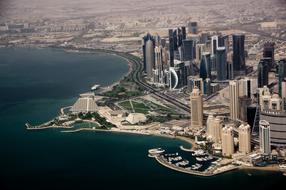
x,y
70,8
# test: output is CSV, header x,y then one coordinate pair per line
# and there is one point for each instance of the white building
x,y
264,137
244,138
233,95
227,141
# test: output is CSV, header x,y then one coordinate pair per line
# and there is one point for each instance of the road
x,y
136,76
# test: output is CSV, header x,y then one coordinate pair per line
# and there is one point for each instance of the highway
x,y
136,76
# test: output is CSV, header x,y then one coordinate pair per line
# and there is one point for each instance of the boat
x,y
199,159
156,151
196,166
199,153
95,87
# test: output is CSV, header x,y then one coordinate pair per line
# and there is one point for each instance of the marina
x,y
176,162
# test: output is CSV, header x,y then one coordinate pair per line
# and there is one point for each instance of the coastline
x,y
189,141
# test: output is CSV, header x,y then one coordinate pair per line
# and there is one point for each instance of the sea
x,y
35,84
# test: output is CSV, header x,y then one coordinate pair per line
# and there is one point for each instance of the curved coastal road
x,y
136,75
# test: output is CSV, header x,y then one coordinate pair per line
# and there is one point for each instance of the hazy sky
x,y
66,8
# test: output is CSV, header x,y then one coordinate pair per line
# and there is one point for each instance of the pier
x,y
207,173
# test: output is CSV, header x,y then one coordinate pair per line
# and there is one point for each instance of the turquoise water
x,y
34,84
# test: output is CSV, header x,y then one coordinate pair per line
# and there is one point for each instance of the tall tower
x,y
238,52
281,74
171,48
205,66
221,63
145,39
227,141
214,44
264,137
233,96
268,52
150,57
245,87
188,46
157,74
244,138
263,69
214,128
196,108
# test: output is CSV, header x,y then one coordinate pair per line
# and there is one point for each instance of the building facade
x,y
196,108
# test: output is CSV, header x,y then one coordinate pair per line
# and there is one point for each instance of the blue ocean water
x,y
34,84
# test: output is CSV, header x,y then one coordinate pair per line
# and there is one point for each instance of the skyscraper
x,y
188,46
184,32
214,128
195,82
281,74
268,52
150,58
244,138
205,66
223,41
196,108
214,44
145,39
238,52
283,93
227,141
263,69
158,68
246,87
193,27
171,48
221,64
264,137
200,48
233,96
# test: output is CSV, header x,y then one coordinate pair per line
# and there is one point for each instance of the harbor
x,y
198,167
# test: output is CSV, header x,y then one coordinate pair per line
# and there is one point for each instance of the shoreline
x,y
180,138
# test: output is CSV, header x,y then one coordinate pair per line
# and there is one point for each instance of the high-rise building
x,y
223,41
263,69
175,37
204,38
207,87
205,66
171,48
158,68
214,44
227,141
244,138
193,27
281,74
244,103
195,82
188,46
150,58
145,39
196,108
221,64
268,52
238,52
283,93
246,87
214,128
264,98
233,96
184,33
200,48
264,137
